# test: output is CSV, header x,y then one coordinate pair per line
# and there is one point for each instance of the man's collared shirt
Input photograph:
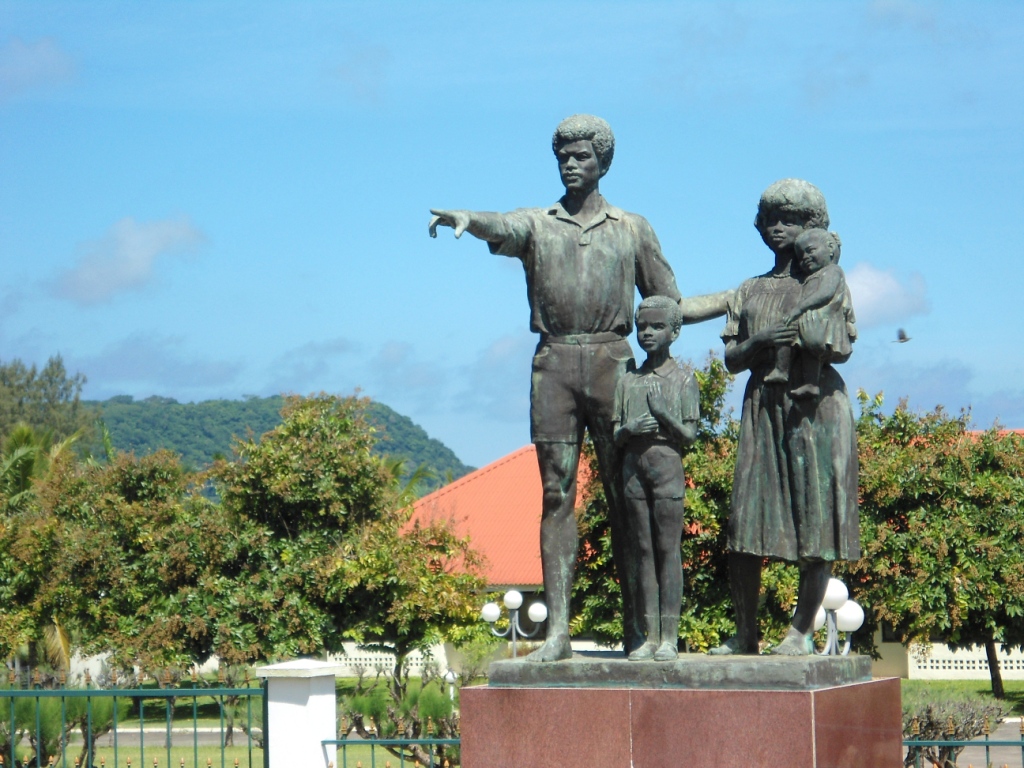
x,y
580,278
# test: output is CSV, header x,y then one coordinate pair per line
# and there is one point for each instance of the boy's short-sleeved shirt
x,y
678,388
580,279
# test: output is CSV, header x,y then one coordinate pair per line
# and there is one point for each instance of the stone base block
x,y
690,670
847,726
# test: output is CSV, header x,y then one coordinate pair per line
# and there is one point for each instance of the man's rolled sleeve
x,y
654,276
515,236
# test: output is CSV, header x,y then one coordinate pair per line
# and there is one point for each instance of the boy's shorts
x,y
652,470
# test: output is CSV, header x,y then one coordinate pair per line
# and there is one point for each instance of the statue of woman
x,y
795,489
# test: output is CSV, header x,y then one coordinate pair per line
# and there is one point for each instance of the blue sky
x,y
205,200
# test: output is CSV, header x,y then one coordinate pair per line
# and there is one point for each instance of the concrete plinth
x,y
301,713
691,670
665,725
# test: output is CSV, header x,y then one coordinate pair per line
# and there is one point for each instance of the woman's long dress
x,y
795,488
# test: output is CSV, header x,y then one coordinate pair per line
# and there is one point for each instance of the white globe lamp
x,y
491,612
836,594
819,618
538,612
849,617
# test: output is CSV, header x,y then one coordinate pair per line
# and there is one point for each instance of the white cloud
x,y
124,258
831,76
879,297
499,379
399,376
951,383
946,383
905,13
309,366
364,73
928,19
154,361
40,64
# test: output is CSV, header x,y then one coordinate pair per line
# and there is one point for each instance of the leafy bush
x,y
937,715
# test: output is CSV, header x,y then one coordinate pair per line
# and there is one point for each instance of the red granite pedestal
x,y
857,725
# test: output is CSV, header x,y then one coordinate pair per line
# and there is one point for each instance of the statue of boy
x,y
582,258
657,407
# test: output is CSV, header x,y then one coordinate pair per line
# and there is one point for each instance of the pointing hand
x,y
458,220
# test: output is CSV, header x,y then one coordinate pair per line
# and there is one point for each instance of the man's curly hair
x,y
587,128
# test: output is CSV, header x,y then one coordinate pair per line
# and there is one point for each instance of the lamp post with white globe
x,y
839,614
513,601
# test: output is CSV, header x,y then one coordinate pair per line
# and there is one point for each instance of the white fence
x,y
356,660
937,662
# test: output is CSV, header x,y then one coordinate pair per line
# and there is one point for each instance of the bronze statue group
x,y
795,489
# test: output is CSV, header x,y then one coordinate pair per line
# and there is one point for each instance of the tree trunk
x,y
993,669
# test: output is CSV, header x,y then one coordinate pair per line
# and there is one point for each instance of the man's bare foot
x,y
794,644
644,653
733,647
554,649
667,651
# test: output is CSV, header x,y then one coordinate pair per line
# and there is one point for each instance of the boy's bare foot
x,y
776,377
806,391
794,644
554,649
644,653
667,651
733,647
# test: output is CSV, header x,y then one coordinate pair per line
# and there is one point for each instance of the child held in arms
x,y
823,313
656,412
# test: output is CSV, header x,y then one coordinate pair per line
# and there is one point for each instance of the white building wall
x,y
937,662
354,660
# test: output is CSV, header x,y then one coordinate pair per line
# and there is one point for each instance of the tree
x,y
707,614
941,529
331,553
47,400
309,547
26,455
127,548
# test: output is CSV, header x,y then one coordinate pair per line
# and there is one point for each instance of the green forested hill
x,y
202,431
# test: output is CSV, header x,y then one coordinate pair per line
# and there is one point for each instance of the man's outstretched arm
x,y
697,309
486,226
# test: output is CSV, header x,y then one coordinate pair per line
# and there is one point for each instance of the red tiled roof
x,y
498,507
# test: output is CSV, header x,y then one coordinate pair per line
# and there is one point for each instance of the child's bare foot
x,y
807,391
776,377
554,649
644,653
667,651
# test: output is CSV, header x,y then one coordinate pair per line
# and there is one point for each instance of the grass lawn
x,y
156,757
1014,700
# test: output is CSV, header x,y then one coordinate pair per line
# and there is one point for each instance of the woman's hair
x,y
587,128
794,196
663,302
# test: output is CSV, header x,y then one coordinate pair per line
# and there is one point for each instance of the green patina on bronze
x,y
582,259
795,488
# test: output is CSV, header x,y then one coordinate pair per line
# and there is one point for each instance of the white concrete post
x,y
301,713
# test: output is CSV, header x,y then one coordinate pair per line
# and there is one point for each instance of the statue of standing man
x,y
582,258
